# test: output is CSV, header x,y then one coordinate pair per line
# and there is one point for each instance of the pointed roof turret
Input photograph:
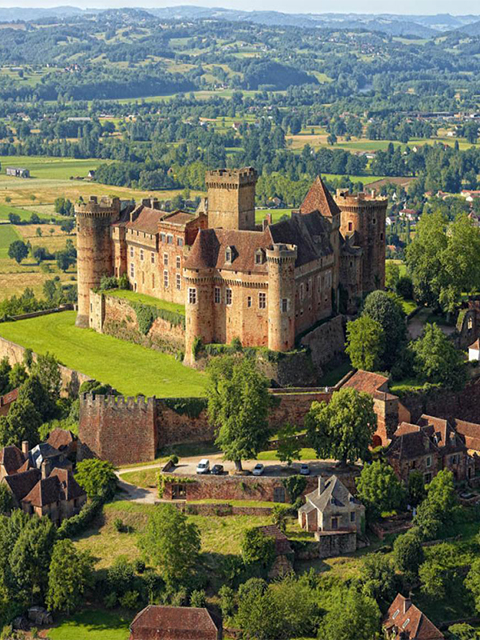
x,y
319,199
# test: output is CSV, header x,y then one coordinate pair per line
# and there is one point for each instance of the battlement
x,y
98,207
121,402
344,197
230,178
281,252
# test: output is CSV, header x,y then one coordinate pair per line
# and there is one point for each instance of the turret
x,y
363,220
199,320
231,198
94,248
281,296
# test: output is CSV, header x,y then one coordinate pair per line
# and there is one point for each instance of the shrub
x,y
130,599
198,598
110,600
118,525
295,485
74,525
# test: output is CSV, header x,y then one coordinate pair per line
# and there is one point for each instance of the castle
x,y
263,284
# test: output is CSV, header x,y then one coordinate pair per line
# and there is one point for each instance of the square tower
x,y
231,198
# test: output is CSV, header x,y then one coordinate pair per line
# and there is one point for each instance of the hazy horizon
x,y
409,7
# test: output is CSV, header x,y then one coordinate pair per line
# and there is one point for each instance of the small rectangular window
x,y
180,242
165,279
192,295
429,461
179,281
262,300
132,270
217,295
169,239
165,259
162,237
179,262
228,296
152,258
131,252
153,281
284,305
141,254
249,301
352,516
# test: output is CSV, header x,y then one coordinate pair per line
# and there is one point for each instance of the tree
x,y
97,477
379,488
289,446
472,582
257,548
171,543
70,574
378,579
18,251
436,510
437,360
463,631
404,287
384,309
343,428
22,423
64,260
392,275
46,368
352,616
238,405
33,390
415,488
433,578
365,343
67,225
408,552
257,615
6,500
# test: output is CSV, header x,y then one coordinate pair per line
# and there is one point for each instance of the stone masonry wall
x,y
463,405
71,379
326,342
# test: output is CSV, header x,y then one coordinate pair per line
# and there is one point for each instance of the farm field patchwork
x,y
105,358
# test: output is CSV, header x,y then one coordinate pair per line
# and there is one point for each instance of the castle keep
x,y
263,284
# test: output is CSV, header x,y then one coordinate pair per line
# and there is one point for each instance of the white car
x,y
203,466
304,469
258,469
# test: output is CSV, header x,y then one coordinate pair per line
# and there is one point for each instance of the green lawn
x,y
128,367
142,298
48,167
261,214
8,234
94,625
24,214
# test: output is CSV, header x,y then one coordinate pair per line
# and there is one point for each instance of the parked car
x,y
304,469
203,466
217,469
258,469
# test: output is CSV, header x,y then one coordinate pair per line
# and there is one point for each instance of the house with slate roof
x,y
404,621
156,622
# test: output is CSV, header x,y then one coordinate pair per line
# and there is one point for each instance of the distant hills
x,y
425,26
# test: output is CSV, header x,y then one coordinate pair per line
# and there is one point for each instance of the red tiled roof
x,y
60,438
11,458
367,381
471,433
146,220
60,485
403,617
179,217
173,623
319,199
8,398
22,483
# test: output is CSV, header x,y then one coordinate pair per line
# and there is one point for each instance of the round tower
x,y
281,296
94,248
199,315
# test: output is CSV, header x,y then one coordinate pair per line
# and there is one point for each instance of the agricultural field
x,y
106,358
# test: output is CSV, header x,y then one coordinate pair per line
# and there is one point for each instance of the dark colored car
x,y
217,469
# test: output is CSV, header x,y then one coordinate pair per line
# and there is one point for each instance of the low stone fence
x,y
37,314
222,509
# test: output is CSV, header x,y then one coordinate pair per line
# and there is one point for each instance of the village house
x,y
156,622
404,621
428,447
474,351
331,507
7,400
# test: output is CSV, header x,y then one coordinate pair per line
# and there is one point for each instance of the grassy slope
x,y
130,368
131,296
8,235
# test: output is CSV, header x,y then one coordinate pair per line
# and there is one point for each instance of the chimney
x,y
45,469
25,447
321,485
155,204
407,603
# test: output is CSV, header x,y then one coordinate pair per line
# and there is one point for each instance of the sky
x,y
306,6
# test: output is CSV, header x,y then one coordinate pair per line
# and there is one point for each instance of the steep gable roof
x,y
310,233
334,493
11,458
367,381
22,483
319,199
156,622
145,220
60,439
411,441
60,485
404,617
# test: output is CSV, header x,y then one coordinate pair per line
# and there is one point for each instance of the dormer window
x,y
259,256
229,255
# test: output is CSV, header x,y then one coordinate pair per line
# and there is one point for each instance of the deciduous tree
x,y
365,343
69,576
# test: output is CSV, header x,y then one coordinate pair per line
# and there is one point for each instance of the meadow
x,y
93,624
129,368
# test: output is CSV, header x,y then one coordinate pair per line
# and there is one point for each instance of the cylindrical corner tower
x,y
199,320
94,248
281,296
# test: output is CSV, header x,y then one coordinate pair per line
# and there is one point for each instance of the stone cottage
x,y
404,621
